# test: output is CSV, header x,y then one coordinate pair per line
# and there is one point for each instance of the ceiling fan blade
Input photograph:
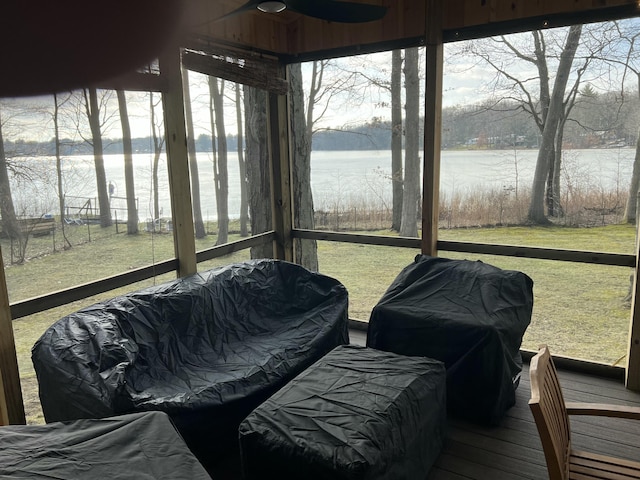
x,y
335,11
250,5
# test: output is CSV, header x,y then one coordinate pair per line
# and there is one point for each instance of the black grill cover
x,y
356,414
468,314
207,349
141,446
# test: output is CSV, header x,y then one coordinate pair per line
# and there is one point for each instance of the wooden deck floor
x,y
512,450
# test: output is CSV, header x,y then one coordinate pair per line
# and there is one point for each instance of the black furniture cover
x,y
468,314
141,446
207,349
356,414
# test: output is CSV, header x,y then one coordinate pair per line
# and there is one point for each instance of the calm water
x,y
339,179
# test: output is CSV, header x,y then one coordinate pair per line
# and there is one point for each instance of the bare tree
x,y
528,69
158,143
390,85
258,175
305,251
411,194
92,108
629,39
10,226
630,211
132,208
555,113
396,139
60,186
193,161
220,170
328,82
242,169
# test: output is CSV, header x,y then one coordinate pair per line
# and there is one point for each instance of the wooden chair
x,y
551,414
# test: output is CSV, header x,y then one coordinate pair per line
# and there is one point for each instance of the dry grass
x,y
581,205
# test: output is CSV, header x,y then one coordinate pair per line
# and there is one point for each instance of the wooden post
x,y
432,127
633,356
178,162
4,410
10,393
281,198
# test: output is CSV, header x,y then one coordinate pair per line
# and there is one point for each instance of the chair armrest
x,y
603,410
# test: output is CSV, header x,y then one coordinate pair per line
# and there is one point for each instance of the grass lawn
x,y
578,308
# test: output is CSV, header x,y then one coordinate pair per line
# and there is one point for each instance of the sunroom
x,y
309,207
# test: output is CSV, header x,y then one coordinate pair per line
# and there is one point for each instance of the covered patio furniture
x,y
356,414
140,446
206,349
468,314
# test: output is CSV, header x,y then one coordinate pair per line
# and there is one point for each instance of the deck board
x,y
512,450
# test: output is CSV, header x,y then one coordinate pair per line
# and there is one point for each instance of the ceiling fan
x,y
329,10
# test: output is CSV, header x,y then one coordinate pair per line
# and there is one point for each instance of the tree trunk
x,y
536,208
305,251
558,210
56,133
258,173
214,145
411,195
630,212
396,139
132,208
220,170
242,169
157,150
545,97
540,51
93,114
548,194
10,225
193,161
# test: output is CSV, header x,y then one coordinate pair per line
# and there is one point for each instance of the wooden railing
x,y
597,258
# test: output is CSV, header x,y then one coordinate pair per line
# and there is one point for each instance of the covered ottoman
x,y
468,314
357,413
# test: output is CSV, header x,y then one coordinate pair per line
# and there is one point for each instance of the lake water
x,y
339,179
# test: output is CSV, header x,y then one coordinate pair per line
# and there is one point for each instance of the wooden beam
x,y
463,14
633,355
278,127
178,163
540,253
135,81
58,298
295,38
11,393
228,248
361,239
258,72
432,127
585,367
